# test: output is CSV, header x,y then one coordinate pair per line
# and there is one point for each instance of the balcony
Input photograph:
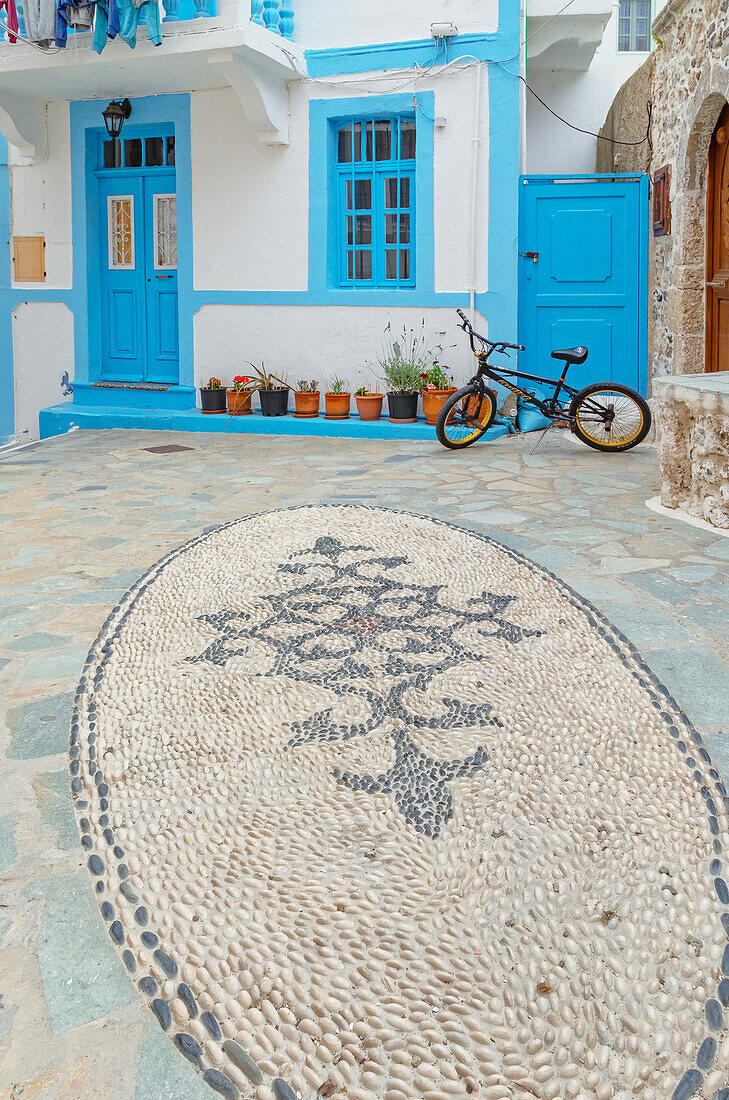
x,y
206,44
566,41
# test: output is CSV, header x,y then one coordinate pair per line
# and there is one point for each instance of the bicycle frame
x,y
549,407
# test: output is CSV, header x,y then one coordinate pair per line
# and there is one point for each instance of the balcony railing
x,y
274,15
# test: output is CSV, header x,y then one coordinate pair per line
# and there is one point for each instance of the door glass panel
x,y
112,154
133,153
165,229
153,151
120,213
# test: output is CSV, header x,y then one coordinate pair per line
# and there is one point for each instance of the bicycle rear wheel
x,y
465,416
610,417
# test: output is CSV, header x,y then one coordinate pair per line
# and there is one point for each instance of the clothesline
x,y
47,22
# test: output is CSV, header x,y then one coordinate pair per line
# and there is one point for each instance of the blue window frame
x,y
374,190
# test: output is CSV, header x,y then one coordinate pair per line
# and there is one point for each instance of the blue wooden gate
x,y
583,244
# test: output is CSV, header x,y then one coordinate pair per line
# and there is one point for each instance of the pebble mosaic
x,y
375,807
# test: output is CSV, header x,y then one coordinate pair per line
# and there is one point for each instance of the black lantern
x,y
115,115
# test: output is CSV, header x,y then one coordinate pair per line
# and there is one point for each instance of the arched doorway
x,y
717,248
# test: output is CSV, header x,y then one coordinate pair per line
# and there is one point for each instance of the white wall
x,y
316,341
584,99
334,23
251,201
42,351
40,200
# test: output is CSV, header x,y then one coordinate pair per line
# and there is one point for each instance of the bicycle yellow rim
x,y
607,442
484,421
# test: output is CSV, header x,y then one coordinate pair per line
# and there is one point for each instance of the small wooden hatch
x,y
29,259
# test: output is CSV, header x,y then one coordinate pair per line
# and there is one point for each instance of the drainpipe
x,y
474,187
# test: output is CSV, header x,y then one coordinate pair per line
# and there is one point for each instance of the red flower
x,y
423,374
241,378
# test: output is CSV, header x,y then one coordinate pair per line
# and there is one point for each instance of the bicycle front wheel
x,y
610,417
465,416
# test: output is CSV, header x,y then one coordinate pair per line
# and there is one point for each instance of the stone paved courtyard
x,y
85,516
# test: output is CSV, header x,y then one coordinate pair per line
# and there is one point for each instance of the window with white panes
x,y
375,194
634,26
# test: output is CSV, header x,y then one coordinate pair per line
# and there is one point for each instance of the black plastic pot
x,y
402,407
274,402
212,401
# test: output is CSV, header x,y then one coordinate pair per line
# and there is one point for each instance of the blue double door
x,y
138,275
583,275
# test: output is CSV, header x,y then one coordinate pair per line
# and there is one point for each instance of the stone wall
x,y
687,81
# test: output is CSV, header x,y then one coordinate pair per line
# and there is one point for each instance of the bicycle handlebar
x,y
492,345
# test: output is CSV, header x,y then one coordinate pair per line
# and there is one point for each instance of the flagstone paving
x,y
84,516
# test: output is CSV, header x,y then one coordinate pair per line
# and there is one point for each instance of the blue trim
x,y
341,60
57,420
7,382
323,225
160,111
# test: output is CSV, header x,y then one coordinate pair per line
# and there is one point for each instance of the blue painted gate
x,y
138,268
583,244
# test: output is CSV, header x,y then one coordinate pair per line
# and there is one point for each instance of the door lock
x,y
717,283
530,256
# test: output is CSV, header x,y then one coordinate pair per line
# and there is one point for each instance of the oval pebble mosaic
x,y
376,808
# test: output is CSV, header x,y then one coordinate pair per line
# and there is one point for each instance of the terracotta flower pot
x,y
433,402
369,405
212,401
337,406
402,407
307,404
239,402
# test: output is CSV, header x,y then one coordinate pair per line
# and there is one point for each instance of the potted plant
x,y
437,387
403,362
337,400
212,396
239,396
369,404
306,397
273,392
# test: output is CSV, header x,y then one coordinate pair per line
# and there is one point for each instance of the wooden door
x,y
717,252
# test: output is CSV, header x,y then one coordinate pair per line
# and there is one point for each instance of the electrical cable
x,y
579,129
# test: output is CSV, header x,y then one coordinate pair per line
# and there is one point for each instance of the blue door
x,y
138,284
583,275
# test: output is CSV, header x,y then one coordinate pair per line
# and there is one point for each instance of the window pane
x,y
363,265
368,142
345,145
170,150
642,44
382,140
350,231
153,150
390,228
404,229
363,229
391,194
624,27
349,194
133,153
358,141
391,264
623,44
405,264
624,10
112,154
363,194
350,265
407,139
641,9
405,192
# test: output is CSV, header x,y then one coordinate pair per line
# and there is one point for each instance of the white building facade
x,y
289,181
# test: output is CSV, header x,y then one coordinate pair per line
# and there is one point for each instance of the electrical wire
x,y
579,129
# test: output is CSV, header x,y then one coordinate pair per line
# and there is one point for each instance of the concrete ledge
x,y
60,418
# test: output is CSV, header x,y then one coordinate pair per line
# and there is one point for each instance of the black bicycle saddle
x,y
571,355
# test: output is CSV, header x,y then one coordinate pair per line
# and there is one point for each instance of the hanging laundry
x,y
106,23
77,14
129,15
40,21
11,18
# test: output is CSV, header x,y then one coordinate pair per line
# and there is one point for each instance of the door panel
x,y
589,282
139,318
161,242
717,250
122,280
